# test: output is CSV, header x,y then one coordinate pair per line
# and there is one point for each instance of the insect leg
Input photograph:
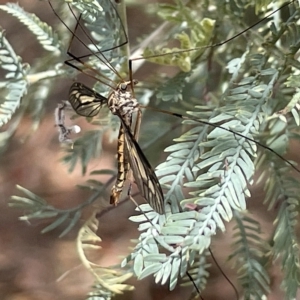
x,y
64,131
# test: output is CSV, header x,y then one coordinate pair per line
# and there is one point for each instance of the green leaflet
x,y
44,33
222,163
15,85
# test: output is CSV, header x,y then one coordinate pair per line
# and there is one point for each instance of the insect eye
x,y
123,86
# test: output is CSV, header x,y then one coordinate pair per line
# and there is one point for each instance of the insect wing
x,y
85,101
143,173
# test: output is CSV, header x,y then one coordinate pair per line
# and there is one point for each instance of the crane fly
x,y
121,102
87,103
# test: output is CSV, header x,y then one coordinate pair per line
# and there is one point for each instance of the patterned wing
x,y
143,173
85,101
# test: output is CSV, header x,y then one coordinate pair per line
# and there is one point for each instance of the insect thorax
x,y
121,101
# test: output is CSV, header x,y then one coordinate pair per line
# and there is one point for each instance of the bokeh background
x,y
35,266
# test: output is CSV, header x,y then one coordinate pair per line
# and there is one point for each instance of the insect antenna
x,y
195,286
214,45
191,118
80,59
223,273
102,57
206,122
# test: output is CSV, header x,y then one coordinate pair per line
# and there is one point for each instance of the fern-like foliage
x,y
240,102
108,281
83,149
283,191
38,208
26,84
44,33
218,165
15,86
200,35
286,246
249,250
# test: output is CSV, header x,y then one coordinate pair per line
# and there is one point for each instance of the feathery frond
x,y
217,165
282,190
198,272
249,249
108,281
84,149
15,86
37,208
45,34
